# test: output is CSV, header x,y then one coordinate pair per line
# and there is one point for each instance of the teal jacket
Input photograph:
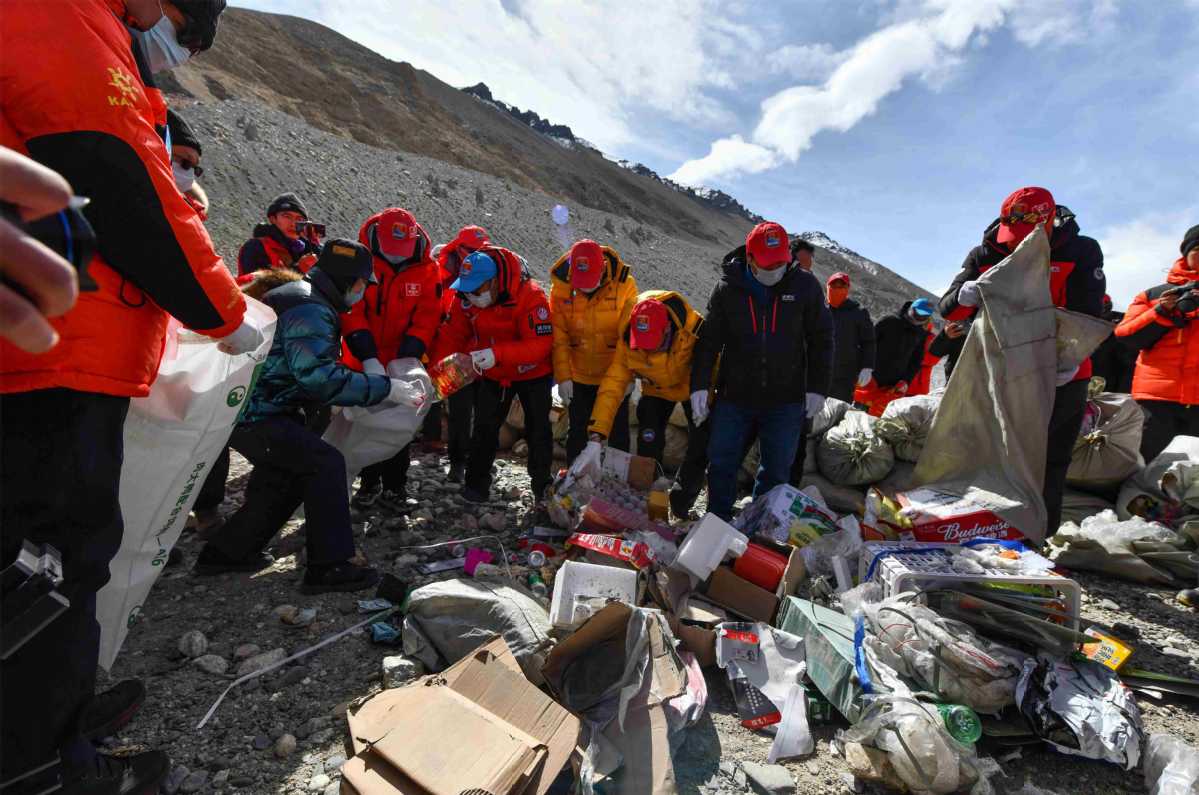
x,y
303,366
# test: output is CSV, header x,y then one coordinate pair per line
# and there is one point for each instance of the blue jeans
x,y
779,428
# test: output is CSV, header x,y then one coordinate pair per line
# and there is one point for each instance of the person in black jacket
x,y
284,242
948,343
900,345
768,323
853,362
1076,282
1114,360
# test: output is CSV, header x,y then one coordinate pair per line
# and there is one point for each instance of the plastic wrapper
x,y
1167,489
1110,452
846,542
853,454
1134,550
1081,708
1171,766
905,424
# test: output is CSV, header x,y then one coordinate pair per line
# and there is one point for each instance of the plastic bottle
x,y
536,559
961,722
536,584
706,546
452,373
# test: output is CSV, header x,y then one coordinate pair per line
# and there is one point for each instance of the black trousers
x,y
60,473
581,404
212,493
653,415
291,465
492,404
461,406
392,473
1163,421
1069,405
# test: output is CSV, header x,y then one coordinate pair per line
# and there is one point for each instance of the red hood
x,y
511,271
426,243
1181,274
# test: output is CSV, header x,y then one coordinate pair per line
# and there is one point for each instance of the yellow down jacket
x,y
586,326
664,374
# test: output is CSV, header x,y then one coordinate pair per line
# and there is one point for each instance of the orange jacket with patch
x,y
516,327
586,327
398,317
71,96
1169,358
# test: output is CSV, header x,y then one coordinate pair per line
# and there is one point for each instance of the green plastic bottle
x,y
961,722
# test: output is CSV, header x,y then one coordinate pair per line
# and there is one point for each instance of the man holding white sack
x,y
293,465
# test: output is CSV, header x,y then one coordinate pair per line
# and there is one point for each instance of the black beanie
x,y
287,201
1190,240
345,261
181,132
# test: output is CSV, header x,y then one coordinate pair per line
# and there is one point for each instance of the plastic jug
x,y
452,373
582,589
707,545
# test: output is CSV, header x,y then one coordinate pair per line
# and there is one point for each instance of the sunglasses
x,y
1025,218
188,166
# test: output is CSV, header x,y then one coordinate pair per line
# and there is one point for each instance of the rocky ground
x,y
283,732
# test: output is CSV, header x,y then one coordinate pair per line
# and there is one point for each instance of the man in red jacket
x,y
285,241
503,321
396,319
85,106
1076,282
1161,323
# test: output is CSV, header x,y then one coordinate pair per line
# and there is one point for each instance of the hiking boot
x,y
139,774
680,505
367,495
474,495
340,577
457,473
212,561
109,711
394,501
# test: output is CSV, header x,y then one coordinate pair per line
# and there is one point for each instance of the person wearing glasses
x,y
1076,282
185,163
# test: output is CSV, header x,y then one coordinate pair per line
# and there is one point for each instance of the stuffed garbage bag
x,y
853,454
1109,452
905,424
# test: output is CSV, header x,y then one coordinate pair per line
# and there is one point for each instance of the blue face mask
x,y
162,46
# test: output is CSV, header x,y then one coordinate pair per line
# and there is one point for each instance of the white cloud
x,y
807,61
727,156
1138,254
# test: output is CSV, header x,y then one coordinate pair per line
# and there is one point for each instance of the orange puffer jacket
x,y
1169,358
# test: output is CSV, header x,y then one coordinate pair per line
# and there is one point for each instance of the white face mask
x,y
480,301
353,296
770,278
184,177
394,259
162,46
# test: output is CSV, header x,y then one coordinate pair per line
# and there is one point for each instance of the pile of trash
x,y
578,658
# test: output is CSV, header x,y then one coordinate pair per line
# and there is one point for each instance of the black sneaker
x,y
342,577
109,711
367,496
457,473
475,496
210,561
680,505
140,774
394,501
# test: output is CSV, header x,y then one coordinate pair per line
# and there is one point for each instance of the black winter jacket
x,y
899,348
854,348
1114,359
775,343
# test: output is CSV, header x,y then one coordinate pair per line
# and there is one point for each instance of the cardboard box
x,y
950,518
828,645
786,515
747,600
481,723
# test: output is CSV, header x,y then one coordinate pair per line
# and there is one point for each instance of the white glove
x,y
566,391
589,458
484,359
968,294
245,339
865,376
699,406
813,403
407,393
1065,376
373,367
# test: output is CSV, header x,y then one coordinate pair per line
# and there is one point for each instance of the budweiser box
x,y
951,518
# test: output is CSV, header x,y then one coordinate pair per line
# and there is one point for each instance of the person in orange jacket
x,y
78,97
461,404
923,381
396,319
1163,323
502,319
591,290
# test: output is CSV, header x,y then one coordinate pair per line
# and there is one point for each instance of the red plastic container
x,y
761,566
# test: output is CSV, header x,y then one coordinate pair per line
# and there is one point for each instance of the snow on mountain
x,y
824,241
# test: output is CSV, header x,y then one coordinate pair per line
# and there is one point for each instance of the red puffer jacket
x,y
398,317
73,98
1169,358
516,327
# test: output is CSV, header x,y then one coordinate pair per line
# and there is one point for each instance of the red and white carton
x,y
951,518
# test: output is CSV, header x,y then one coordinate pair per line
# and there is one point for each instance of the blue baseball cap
x,y
923,307
476,269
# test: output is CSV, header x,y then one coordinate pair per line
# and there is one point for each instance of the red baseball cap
x,y
839,276
768,245
396,232
648,324
1022,212
471,238
586,265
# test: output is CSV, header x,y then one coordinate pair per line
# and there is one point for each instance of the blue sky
x,y
895,127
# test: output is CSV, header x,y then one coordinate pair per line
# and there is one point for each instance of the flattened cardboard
x,y
748,600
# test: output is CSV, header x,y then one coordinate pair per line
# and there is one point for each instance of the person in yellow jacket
x,y
592,289
657,337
